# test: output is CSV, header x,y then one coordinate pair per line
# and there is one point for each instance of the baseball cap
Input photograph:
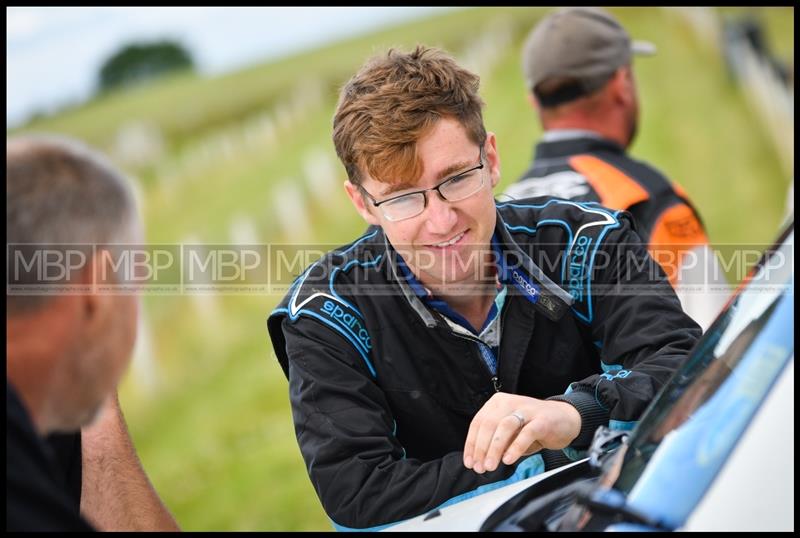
x,y
585,44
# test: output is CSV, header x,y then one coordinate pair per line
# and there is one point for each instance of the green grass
x,y
215,432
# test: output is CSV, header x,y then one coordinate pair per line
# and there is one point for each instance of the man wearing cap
x,y
577,66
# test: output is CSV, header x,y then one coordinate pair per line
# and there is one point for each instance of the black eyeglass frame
x,y
436,188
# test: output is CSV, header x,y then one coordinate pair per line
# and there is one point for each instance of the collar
x,y
557,135
413,299
514,267
567,142
443,307
528,279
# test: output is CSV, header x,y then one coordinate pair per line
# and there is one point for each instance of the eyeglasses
x,y
452,189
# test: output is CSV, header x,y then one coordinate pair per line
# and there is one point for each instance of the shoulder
x,y
35,499
337,272
566,238
647,176
532,214
327,296
20,428
572,232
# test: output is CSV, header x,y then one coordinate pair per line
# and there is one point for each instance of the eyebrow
x,y
451,170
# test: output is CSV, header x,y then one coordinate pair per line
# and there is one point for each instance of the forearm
x,y
363,475
116,493
366,496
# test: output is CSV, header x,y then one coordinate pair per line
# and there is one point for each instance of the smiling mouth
x,y
450,242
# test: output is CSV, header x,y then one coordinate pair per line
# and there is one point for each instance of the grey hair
x,y
60,191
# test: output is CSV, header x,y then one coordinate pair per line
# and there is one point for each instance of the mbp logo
x,y
133,264
49,269
209,266
44,265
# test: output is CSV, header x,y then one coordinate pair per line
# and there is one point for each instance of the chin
x,y
94,415
80,419
458,283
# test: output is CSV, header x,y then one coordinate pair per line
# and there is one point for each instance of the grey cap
x,y
580,43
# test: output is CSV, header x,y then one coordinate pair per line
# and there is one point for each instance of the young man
x,y
66,350
577,65
437,355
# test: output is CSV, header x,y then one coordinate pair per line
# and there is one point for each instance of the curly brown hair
x,y
393,101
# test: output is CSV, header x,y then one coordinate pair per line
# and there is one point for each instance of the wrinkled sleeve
x,y
642,332
344,427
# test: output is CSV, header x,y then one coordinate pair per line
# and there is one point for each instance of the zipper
x,y
495,381
496,385
493,378
503,315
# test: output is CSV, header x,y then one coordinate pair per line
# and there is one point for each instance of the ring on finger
x,y
520,417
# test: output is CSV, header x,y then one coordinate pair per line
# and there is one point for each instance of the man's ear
x,y
533,101
357,198
544,115
621,85
95,303
492,158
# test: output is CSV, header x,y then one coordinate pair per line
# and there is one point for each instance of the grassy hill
x,y
220,159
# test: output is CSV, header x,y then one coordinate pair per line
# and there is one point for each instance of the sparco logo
x,y
531,289
578,267
350,321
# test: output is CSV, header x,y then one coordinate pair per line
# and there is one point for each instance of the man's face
x,y
447,243
97,356
114,346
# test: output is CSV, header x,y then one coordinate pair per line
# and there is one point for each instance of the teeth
x,y
451,242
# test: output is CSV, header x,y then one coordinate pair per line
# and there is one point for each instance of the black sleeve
x,y
643,334
345,428
36,499
66,451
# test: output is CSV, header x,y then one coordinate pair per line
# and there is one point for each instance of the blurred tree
x,y
138,62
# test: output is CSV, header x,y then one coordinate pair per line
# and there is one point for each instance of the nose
x,y
440,216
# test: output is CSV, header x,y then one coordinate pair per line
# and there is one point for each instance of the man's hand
x,y
509,426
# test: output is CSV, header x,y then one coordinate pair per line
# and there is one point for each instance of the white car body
x,y
470,514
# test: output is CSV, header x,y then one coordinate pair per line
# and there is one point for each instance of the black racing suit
x,y
383,389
